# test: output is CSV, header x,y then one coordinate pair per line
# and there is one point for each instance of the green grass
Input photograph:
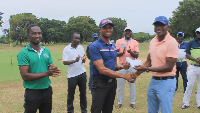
x,y
12,91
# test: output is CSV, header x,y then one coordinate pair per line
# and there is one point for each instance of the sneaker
x,y
184,106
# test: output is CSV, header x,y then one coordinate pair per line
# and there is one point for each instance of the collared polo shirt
x,y
69,54
121,43
193,49
107,52
38,62
159,51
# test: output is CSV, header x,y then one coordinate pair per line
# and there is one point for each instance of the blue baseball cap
x,y
104,22
161,19
95,35
180,33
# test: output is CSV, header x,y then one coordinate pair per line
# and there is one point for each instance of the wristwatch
x,y
147,70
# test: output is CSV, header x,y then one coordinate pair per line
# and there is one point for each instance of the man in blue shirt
x,y
181,64
192,53
95,37
103,54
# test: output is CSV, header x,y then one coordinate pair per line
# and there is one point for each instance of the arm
x,y
88,55
35,76
134,54
107,72
147,63
72,61
188,56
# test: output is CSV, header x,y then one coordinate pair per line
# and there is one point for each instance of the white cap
x,y
198,29
127,28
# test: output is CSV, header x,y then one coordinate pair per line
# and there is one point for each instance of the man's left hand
x,y
83,59
129,49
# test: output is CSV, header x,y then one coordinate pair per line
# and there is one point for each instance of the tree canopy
x,y
186,18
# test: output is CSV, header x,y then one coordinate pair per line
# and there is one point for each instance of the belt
x,y
181,60
195,65
163,78
105,80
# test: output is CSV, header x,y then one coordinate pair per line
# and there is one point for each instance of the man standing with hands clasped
x,y
74,57
181,64
103,55
36,65
193,54
161,59
126,47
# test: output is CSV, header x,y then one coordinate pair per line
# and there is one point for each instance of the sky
x,y
139,14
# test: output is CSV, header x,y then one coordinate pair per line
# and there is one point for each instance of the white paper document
x,y
181,54
133,63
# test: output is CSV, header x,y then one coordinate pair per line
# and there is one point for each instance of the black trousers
x,y
103,95
38,99
79,80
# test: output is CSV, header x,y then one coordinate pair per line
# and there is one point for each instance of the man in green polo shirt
x,y
36,65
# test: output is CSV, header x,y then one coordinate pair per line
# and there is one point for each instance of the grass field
x,y
12,91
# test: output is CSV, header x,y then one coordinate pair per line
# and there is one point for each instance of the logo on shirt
x,y
46,55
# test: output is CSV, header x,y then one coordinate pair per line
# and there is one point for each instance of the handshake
x,y
132,77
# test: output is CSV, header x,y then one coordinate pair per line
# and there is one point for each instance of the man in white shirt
x,y
74,57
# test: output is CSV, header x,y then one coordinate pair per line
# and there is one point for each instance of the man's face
x,y
180,39
128,34
160,29
106,30
198,35
35,35
95,38
76,39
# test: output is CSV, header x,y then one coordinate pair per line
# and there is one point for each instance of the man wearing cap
x,y
103,55
181,64
192,53
163,53
95,37
126,47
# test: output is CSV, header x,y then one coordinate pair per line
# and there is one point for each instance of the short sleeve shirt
x,y
37,62
159,51
107,52
121,43
193,49
69,54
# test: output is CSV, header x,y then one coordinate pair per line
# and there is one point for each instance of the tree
x,y
1,19
119,26
141,36
186,18
19,24
85,25
52,30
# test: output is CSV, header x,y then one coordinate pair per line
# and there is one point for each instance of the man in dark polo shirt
x,y
36,65
181,64
193,54
103,55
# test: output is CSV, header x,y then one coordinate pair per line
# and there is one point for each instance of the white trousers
x,y
193,73
121,84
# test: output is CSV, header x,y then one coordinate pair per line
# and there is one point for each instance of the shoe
x,y
184,106
118,106
133,106
89,91
199,107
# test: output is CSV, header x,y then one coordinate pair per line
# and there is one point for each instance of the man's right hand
x,y
124,51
